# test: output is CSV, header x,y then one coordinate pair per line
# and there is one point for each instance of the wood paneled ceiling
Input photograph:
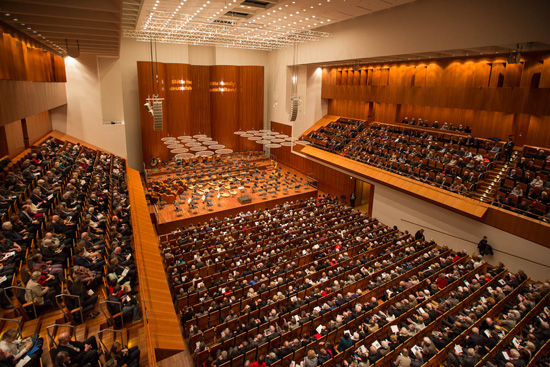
x,y
93,26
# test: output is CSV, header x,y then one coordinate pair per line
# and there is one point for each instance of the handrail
x,y
116,303
71,296
18,325
465,240
57,325
26,290
100,332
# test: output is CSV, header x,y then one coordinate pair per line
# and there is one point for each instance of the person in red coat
x,y
441,281
259,363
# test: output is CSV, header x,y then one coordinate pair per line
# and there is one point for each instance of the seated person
x,y
19,348
80,353
87,302
517,191
90,278
51,251
41,295
56,270
122,273
11,249
21,238
89,262
121,299
124,355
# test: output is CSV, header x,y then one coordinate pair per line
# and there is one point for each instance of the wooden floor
x,y
169,219
133,334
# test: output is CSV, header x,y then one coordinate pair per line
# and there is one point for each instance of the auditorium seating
x,y
336,134
525,187
66,191
277,281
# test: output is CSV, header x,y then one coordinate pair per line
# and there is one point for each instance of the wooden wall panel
x,y
537,133
38,125
178,97
224,100
497,74
330,181
364,75
512,75
28,98
200,100
545,77
482,73
482,92
209,100
420,76
348,108
14,138
530,78
251,98
433,76
23,59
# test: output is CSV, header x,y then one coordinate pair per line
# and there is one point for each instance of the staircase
x,y
488,187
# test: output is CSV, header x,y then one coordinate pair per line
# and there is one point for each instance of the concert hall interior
x,y
273,183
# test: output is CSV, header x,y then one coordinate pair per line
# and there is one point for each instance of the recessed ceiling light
x,y
8,14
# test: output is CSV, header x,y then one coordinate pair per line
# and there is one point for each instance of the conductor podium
x,y
244,200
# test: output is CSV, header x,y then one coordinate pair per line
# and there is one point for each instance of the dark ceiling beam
x,y
107,6
19,8
82,40
44,20
75,31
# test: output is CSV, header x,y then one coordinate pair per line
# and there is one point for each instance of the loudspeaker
x,y
293,109
157,114
514,58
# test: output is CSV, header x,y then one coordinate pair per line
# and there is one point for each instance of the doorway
x,y
364,193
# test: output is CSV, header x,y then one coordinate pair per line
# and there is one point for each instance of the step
x,y
8,324
31,327
81,332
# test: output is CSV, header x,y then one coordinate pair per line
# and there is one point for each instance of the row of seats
x,y
337,134
281,296
525,188
80,224
444,126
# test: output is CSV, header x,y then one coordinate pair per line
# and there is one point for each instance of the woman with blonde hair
x,y
311,359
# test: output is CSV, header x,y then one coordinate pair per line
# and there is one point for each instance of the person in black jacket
x,y
80,353
124,355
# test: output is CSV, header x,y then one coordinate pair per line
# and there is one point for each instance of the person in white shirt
x,y
537,182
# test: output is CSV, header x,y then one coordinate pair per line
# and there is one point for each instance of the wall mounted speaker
x,y
157,115
294,102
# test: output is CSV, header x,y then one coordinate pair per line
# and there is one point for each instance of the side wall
x,y
82,117
420,26
458,232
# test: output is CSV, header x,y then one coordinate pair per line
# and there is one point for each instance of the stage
x,y
265,189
